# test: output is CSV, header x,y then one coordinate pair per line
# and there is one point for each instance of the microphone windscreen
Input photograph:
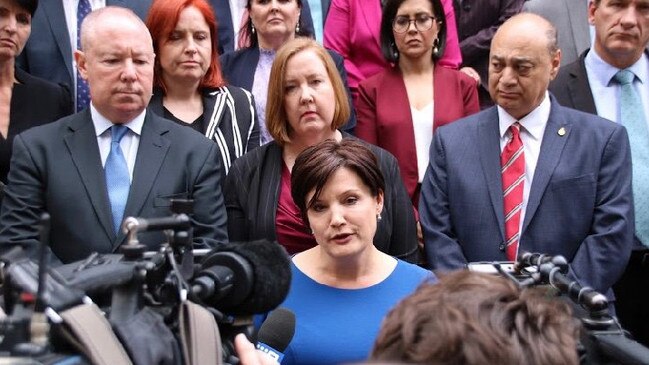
x,y
278,329
271,274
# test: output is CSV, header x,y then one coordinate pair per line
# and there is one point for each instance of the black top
x,y
196,125
34,101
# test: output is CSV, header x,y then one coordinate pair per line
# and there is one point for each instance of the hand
x,y
248,354
472,73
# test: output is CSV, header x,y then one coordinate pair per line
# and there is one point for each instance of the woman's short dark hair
x,y
388,46
316,164
247,33
29,5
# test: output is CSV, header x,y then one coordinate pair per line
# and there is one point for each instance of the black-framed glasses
x,y
422,22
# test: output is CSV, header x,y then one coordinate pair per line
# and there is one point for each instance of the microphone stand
x,y
604,340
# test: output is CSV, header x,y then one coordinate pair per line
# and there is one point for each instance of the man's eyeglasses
x,y
422,22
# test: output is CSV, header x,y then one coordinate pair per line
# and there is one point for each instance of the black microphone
x,y
276,333
243,278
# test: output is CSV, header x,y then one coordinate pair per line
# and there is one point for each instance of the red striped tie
x,y
512,161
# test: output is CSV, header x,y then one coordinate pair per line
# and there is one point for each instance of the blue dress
x,y
340,325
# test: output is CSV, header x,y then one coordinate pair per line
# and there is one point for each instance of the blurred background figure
x,y
570,17
25,101
477,22
189,88
55,37
471,318
231,15
269,26
353,30
307,104
399,108
342,288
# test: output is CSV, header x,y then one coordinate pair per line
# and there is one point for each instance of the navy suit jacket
x,y
580,203
57,168
239,70
48,52
227,43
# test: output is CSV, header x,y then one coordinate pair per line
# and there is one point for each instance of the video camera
x,y
173,306
603,340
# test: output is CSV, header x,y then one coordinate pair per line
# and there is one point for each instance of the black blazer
x,y
239,69
229,118
571,87
34,101
252,193
57,168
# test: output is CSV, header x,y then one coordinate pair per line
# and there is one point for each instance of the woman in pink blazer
x,y
399,108
352,29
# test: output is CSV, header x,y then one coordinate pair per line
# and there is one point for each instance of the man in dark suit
x,y
591,85
529,174
49,51
112,160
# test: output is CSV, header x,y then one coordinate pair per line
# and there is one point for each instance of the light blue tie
x,y
117,176
633,118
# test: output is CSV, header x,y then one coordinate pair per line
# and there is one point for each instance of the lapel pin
x,y
561,131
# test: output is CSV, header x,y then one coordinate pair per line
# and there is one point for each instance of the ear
x,y
555,63
80,59
379,202
591,12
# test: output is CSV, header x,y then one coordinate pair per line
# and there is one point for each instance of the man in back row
x,y
529,174
112,160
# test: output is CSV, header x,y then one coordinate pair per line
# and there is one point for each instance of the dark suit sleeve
x,y
478,44
209,218
24,201
340,65
403,241
612,230
440,241
233,192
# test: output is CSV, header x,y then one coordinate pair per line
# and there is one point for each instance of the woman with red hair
x,y
189,88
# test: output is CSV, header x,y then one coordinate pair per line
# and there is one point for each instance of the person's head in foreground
x,y
475,318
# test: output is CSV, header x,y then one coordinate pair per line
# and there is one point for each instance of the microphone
x,y
276,333
243,278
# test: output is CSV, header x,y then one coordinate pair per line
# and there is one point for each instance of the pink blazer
x,y
353,28
384,118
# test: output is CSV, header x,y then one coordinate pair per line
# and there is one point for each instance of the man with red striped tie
x,y
529,174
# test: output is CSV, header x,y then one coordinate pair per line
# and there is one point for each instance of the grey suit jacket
x,y
571,19
48,52
580,203
57,168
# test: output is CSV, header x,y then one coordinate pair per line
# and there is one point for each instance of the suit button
x,y
466,7
502,247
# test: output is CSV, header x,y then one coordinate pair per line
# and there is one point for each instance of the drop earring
x,y
436,46
378,217
252,26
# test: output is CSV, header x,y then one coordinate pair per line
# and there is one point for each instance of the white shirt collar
x,y
605,72
102,124
534,122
